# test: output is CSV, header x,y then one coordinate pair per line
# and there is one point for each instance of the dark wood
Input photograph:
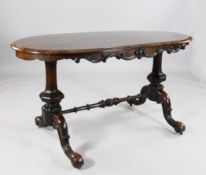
x,y
51,113
61,126
51,96
154,92
98,47
102,104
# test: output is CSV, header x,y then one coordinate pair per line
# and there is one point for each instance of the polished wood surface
x,y
93,42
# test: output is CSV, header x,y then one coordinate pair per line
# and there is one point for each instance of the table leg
x,y
51,113
61,126
154,92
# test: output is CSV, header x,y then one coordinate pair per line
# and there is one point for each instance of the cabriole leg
x,y
61,126
154,92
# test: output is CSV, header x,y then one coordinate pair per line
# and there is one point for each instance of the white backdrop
x,y
119,140
198,61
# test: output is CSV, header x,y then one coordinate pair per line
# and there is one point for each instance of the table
x,y
99,47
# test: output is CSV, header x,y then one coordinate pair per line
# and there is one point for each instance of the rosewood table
x,y
98,47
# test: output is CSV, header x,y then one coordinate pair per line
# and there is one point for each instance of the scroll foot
x,y
61,126
179,127
75,158
39,121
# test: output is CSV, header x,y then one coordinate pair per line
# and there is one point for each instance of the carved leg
x,y
166,106
51,113
61,126
154,92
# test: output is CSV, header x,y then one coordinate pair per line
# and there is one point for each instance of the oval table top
x,y
59,46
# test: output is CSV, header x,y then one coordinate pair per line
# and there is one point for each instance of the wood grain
x,y
59,46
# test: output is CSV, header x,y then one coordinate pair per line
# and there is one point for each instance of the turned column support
x,y
157,76
51,96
